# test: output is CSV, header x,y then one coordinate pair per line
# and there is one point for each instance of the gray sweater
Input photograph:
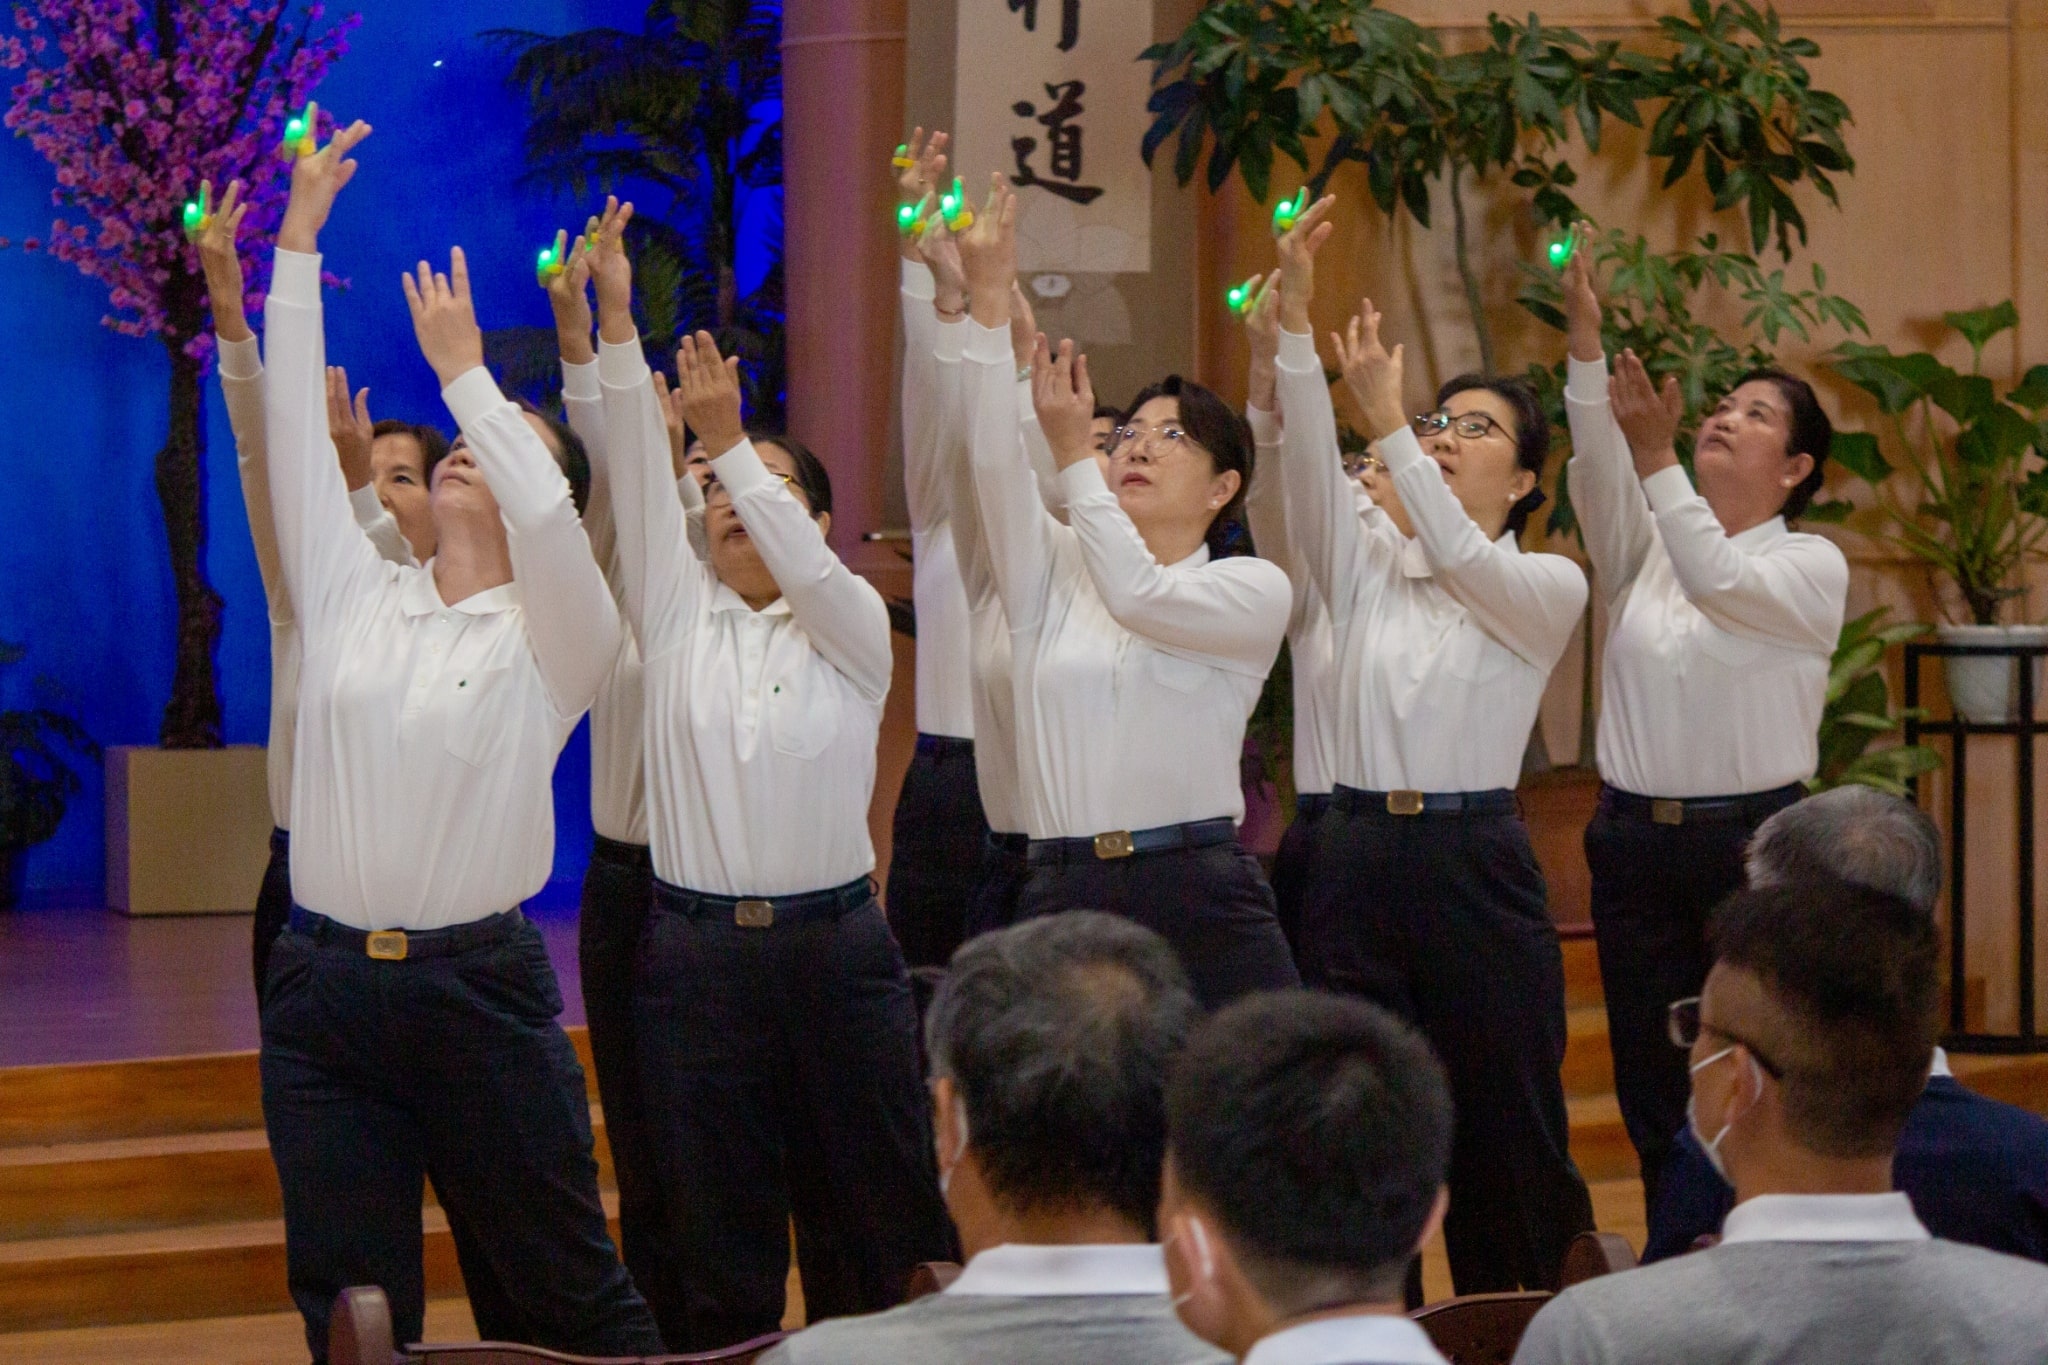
x,y
983,1329
1804,1303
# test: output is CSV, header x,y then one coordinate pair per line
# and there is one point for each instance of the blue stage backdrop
x,y
84,581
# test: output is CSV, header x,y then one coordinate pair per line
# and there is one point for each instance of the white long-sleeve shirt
x,y
1444,642
944,690
241,386
618,784
1716,669
428,731
1133,680
760,725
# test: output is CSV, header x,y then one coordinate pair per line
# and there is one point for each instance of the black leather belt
x,y
403,945
1124,843
1352,801
1309,805
1009,845
943,747
1753,807
635,856
764,912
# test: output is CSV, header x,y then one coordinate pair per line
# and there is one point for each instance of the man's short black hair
x,y
1219,429
432,443
570,451
1532,434
1318,1128
1058,1034
1810,432
1853,972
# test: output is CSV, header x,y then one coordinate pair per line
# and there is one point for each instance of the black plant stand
x,y
2023,731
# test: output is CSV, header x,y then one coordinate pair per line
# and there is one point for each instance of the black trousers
x,y
618,894
1212,904
449,1064
779,1067
935,859
1294,864
1442,919
1004,871
1653,887
273,906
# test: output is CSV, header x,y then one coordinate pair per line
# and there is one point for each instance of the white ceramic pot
x,y
1985,689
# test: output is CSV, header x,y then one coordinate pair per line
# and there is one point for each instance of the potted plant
x,y
1973,497
1859,710
36,781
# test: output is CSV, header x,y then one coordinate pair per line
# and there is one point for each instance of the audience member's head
x,y
1811,1038
1050,1044
1309,1136
1852,834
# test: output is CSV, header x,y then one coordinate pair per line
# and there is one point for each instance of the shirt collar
x,y
1377,1339
725,599
1015,1271
1761,534
1195,560
1824,1218
1940,1066
421,596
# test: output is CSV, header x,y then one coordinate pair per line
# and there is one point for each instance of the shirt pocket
x,y
476,710
1474,656
802,717
1175,673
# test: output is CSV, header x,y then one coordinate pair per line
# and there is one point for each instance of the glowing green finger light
x,y
299,139
953,208
1288,210
1562,249
1240,296
909,221
902,161
549,265
198,216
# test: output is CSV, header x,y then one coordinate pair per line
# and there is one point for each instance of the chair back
x,y
930,1277
1480,1329
505,1353
359,1332
1593,1254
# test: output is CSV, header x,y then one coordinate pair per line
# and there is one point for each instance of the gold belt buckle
x,y
1664,812
1404,803
1115,844
754,914
386,945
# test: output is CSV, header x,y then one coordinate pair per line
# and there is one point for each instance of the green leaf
x,y
1979,325
1965,397
1857,452
2032,394
1833,512
2000,437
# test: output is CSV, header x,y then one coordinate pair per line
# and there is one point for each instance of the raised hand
x,y
1581,299
1262,332
444,318
1297,250
1371,372
316,180
569,299
988,255
613,271
1065,401
708,386
923,176
1648,416
939,249
350,427
672,418
221,262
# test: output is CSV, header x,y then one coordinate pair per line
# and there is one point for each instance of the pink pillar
x,y
842,110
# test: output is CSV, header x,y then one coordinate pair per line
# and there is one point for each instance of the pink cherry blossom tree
x,y
134,102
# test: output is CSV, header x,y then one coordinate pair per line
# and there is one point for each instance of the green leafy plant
x,y
1251,78
1859,712
1978,492
38,748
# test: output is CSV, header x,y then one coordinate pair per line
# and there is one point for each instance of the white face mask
x,y
960,1149
1201,1266
1712,1146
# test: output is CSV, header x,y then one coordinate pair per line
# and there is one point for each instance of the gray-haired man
x,y
1050,1043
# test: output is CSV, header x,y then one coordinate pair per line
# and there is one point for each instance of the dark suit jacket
x,y
1975,1169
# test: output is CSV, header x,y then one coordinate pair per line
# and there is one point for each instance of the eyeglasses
x,y
713,488
1682,1023
1125,439
1470,426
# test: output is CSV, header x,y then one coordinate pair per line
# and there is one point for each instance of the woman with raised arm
x,y
1137,657
409,1017
382,476
772,1007
1721,623
1427,897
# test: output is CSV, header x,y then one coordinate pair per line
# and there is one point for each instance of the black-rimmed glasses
x,y
1470,426
1683,1025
